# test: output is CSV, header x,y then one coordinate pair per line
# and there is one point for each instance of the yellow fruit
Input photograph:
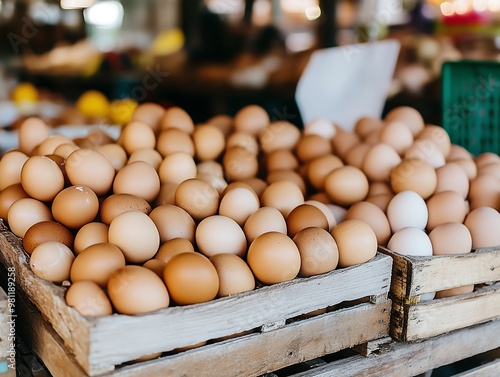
x,y
121,110
93,104
25,91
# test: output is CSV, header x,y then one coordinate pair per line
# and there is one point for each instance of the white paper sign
x,y
345,83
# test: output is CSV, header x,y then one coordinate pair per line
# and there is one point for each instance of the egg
x,y
197,198
32,132
374,217
136,290
213,168
458,152
438,135
258,185
218,183
166,194
452,177
41,178
273,258
173,247
220,234
115,204
75,206
222,121
397,135
96,263
88,299
191,278
310,147
173,222
86,167
326,211
251,119
209,142
409,116
366,125
356,156
287,175
356,242
175,117
8,196
173,140
319,168
265,219
64,150
155,265
50,144
281,159
283,195
401,205
90,234
444,207
177,167
379,162
52,261
46,231
11,164
343,142
415,175
26,212
318,251
426,150
490,169
305,216
149,113
138,178
136,235
239,164
469,167
338,212
346,185
234,274
485,192
238,204
483,223
115,154
278,135
378,188
381,200
243,140
486,158
150,156
321,127
137,135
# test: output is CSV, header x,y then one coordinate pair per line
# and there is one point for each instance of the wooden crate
x,y
413,319
7,335
281,337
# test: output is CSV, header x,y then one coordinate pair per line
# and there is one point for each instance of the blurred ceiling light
x,y
447,9
104,14
76,4
313,12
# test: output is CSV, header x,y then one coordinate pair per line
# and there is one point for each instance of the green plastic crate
x,y
471,104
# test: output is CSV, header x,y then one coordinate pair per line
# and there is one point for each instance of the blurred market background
x,y
91,61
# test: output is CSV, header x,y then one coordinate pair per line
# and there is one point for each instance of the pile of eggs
x,y
174,213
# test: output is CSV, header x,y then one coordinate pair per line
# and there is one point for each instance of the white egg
x,y
407,209
321,127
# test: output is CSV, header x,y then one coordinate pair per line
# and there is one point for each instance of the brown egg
x,y
42,179
374,216
380,200
88,299
234,274
427,150
356,241
220,234
283,195
310,147
379,162
137,135
218,183
177,167
115,154
224,122
118,203
86,167
319,169
320,197
318,251
150,156
26,212
416,175
136,235
251,119
90,234
343,142
46,231
11,164
258,185
483,223
166,194
243,140
173,140
278,135
197,198
305,216
373,138
265,219
357,154
485,189
209,142
210,167
191,278
49,145
408,115
240,164
175,117
469,167
287,175
282,159
490,169
273,258
96,263
458,152
138,178
486,158
238,204
445,206
75,206
52,261
398,135
173,247
155,265
452,177
149,113
438,135
346,185
136,290
366,125
64,150
8,196
378,188
173,222
32,132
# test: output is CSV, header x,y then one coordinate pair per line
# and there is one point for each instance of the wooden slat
x,y
411,359
488,370
414,276
431,318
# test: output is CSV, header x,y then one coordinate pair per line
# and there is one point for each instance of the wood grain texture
x,y
411,359
414,276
